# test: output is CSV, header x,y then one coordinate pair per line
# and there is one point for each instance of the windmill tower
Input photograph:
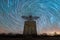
x,y
30,25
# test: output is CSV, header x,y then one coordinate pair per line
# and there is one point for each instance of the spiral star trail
x,y
11,11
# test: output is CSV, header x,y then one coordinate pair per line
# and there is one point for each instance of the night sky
x,y
48,12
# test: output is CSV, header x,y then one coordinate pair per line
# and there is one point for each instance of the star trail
x,y
11,11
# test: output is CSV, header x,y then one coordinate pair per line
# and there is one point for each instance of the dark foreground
x,y
29,37
44,38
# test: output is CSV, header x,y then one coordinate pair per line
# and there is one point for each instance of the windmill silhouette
x,y
30,25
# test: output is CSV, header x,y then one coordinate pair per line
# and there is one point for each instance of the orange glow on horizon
x,y
53,33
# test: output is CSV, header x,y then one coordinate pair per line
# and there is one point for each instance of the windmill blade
x,y
35,17
25,17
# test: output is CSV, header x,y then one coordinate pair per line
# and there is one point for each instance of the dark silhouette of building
x,y
30,25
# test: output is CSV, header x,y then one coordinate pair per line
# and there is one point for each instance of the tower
x,y
30,25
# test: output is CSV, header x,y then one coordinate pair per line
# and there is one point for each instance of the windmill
x,y
30,25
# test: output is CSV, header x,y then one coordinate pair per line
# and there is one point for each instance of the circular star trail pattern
x,y
48,12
